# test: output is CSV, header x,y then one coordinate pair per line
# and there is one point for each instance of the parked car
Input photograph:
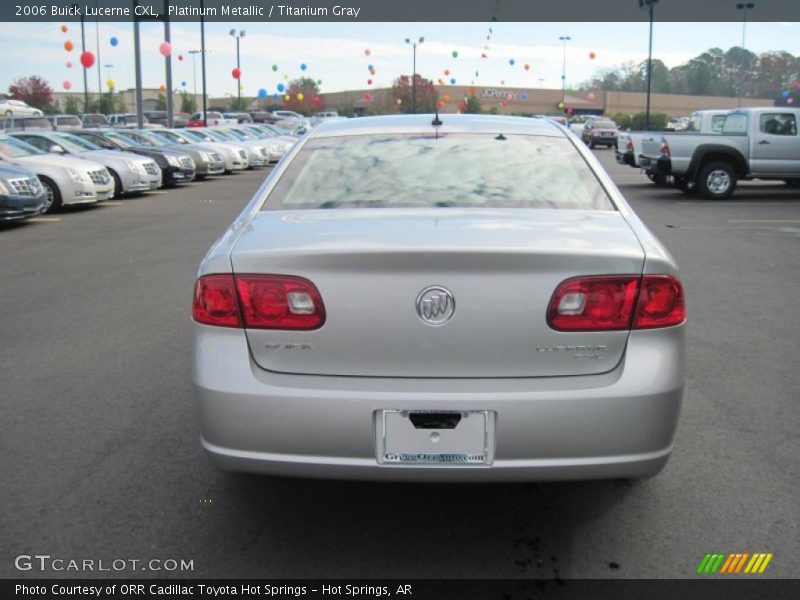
x,y
755,143
27,124
66,180
232,159
294,127
22,195
263,116
629,143
600,131
240,117
577,123
287,114
159,118
131,173
207,162
257,151
9,107
275,146
126,121
213,118
482,343
94,121
327,114
65,122
176,166
242,153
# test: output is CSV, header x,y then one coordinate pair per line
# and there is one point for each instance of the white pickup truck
x,y
754,143
629,143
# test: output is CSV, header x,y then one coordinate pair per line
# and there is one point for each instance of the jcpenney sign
x,y
510,95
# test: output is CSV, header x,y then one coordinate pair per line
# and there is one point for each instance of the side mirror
x,y
56,149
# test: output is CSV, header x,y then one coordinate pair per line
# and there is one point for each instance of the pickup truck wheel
x,y
717,181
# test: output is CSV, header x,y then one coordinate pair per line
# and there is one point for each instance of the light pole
x,y
564,39
744,7
83,49
649,4
194,54
108,72
238,37
414,74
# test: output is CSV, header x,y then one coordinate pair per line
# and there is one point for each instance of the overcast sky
x,y
335,53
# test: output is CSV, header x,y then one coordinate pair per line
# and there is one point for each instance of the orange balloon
x,y
592,55
446,98
447,71
527,67
440,104
162,88
68,46
64,29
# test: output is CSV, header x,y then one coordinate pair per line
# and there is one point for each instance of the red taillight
x,y
215,301
664,150
609,303
279,302
661,302
629,146
258,302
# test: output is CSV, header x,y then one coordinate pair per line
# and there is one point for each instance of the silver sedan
x,y
463,298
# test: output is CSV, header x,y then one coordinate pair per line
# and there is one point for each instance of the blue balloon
x,y
183,83
511,61
785,93
262,93
114,41
370,67
274,96
452,81
524,95
303,67
281,87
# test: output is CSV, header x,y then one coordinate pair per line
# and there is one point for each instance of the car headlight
x,y
205,156
134,166
3,189
76,176
173,161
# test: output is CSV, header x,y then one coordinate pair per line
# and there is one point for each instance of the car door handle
x,y
763,143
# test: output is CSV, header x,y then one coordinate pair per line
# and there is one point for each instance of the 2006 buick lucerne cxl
x,y
440,298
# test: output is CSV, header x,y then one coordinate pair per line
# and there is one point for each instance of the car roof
x,y
450,124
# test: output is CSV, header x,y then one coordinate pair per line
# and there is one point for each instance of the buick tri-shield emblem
x,y
435,305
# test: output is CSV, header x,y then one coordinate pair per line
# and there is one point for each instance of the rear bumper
x,y
618,424
625,158
659,166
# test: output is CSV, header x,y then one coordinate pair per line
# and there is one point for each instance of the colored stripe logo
x,y
734,563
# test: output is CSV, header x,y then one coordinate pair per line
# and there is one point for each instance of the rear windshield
x,y
602,124
459,170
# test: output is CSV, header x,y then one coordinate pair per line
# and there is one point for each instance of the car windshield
x,y
220,136
199,136
81,141
258,133
118,139
451,170
14,148
171,136
152,139
137,138
240,135
70,143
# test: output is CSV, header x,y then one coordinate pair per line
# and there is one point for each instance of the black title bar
x,y
397,10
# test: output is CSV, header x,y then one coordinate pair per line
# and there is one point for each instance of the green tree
x,y
658,121
346,109
473,105
188,102
108,103
71,105
426,94
240,104
161,102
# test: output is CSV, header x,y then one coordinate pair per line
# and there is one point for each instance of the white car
x,y
231,158
66,180
18,108
132,173
236,155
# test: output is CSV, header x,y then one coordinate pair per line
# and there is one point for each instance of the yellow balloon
x,y
300,96
287,97
560,105
110,83
285,76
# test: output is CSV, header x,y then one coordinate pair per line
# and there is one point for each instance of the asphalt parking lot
x,y
99,437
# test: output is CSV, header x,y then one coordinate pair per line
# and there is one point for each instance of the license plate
x,y
433,437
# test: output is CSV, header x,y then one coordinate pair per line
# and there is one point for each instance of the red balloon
x,y
180,56
67,85
87,59
472,91
369,81
236,73
367,97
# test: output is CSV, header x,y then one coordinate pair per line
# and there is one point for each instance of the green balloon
x,y
274,67
455,54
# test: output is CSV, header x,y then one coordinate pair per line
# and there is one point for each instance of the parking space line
x,y
771,221
111,203
157,192
44,219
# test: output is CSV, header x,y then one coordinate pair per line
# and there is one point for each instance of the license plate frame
x,y
469,444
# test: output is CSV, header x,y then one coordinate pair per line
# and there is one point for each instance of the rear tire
x,y
53,202
687,186
716,181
